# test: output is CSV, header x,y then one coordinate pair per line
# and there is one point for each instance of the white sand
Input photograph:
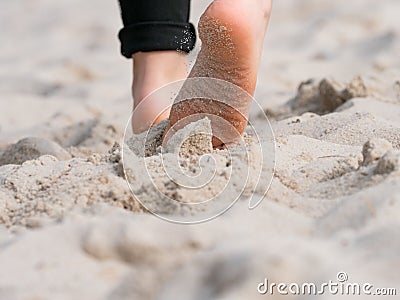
x,y
70,226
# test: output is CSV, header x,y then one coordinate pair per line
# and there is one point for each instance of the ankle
x,y
152,70
160,61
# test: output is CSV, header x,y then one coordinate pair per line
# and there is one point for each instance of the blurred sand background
x,y
70,228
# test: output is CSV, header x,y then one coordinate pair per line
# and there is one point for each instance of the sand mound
x,y
31,148
328,95
48,188
186,176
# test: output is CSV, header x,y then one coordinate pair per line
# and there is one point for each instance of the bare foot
x,y
232,34
153,70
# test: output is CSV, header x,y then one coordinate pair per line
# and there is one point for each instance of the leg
x,y
232,34
157,35
152,70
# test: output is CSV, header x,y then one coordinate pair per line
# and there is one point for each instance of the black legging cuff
x,y
159,35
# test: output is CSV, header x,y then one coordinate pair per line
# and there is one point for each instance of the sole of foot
x,y
232,34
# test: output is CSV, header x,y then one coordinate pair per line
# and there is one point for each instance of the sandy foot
x,y
231,47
